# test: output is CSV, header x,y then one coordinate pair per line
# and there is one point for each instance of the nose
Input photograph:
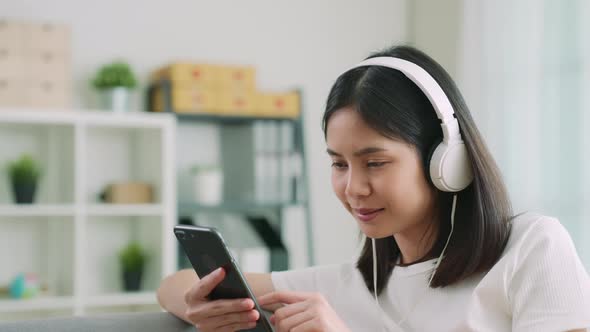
x,y
357,184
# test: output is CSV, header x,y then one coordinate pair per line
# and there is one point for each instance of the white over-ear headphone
x,y
450,169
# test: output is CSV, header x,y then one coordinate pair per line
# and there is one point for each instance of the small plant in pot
x,y
132,259
24,175
115,81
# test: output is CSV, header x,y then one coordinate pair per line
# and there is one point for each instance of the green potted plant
x,y
132,259
24,174
114,81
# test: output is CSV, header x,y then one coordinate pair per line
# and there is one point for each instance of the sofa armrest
x,y
128,322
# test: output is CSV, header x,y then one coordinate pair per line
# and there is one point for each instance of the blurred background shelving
x,y
259,148
71,239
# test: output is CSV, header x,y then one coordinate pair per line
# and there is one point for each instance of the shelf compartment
x,y
115,155
39,245
107,236
52,146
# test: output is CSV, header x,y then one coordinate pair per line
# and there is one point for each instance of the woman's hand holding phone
x,y
218,315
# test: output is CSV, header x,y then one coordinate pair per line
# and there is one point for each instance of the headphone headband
x,y
448,163
429,86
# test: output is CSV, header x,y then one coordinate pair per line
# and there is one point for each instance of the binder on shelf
x,y
253,259
279,258
277,164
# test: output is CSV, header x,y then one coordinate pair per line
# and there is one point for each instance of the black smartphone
x,y
206,250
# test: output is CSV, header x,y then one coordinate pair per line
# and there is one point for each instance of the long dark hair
x,y
396,108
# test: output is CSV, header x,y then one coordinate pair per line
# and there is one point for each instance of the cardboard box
x,y
12,66
157,101
278,104
34,65
189,99
231,103
12,36
46,65
129,193
202,75
53,38
47,93
12,92
237,79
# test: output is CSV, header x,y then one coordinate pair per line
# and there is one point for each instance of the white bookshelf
x,y
111,300
70,239
37,210
45,303
155,210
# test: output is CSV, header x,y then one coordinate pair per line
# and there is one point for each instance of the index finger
x,y
286,297
204,287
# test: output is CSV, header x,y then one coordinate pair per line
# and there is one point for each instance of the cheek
x,y
400,188
338,184
391,187
411,193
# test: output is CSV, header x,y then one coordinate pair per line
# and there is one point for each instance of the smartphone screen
x,y
206,250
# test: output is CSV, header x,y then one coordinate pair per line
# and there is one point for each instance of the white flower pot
x,y
208,187
116,99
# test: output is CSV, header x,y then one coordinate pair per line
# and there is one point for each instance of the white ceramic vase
x,y
208,187
116,99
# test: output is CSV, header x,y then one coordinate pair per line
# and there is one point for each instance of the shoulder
x,y
540,243
530,230
546,282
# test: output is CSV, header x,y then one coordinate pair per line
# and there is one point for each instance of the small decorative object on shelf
x,y
207,184
24,175
132,259
128,193
24,286
115,82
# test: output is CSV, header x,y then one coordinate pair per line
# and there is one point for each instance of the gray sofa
x,y
131,322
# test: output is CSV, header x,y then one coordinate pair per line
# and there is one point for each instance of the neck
x,y
415,243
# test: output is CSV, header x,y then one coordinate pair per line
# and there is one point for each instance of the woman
x,y
443,251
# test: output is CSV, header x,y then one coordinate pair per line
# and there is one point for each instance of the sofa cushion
x,y
128,322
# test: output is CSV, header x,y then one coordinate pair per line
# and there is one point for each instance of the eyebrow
x,y
358,153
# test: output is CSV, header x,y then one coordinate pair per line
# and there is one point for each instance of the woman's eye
x,y
338,165
375,164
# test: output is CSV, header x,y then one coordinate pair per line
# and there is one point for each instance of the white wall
x,y
295,44
435,27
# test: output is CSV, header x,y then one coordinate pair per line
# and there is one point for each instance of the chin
x,y
375,232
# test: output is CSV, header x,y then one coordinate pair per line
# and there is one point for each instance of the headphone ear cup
x,y
450,167
429,159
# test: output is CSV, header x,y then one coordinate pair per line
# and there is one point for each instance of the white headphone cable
x,y
375,272
440,258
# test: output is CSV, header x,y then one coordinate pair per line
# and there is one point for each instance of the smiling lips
x,y
367,214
